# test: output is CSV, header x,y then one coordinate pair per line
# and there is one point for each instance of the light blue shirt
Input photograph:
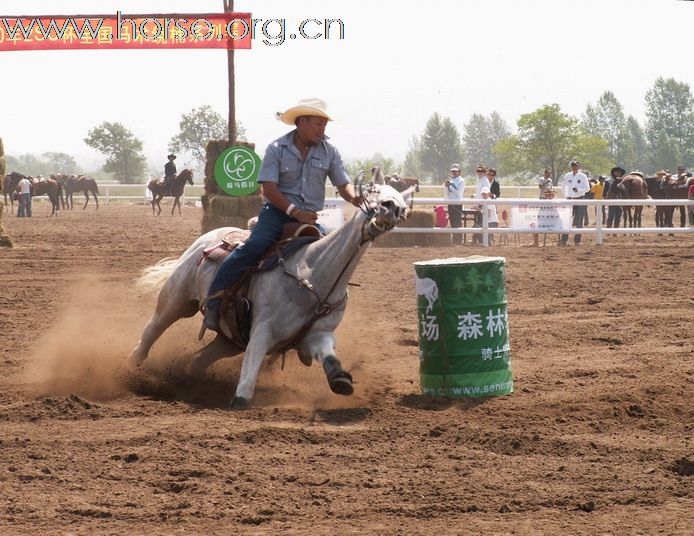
x,y
303,182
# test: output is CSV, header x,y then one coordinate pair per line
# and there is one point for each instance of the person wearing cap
x,y
453,190
576,186
613,190
292,182
169,173
482,182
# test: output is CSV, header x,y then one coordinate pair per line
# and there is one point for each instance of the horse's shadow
x,y
208,392
433,403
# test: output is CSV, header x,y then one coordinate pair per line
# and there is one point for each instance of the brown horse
x,y
676,188
51,188
634,186
178,184
81,183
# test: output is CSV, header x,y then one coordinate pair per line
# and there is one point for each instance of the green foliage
x,y
607,121
670,121
480,136
199,126
549,138
439,147
387,165
61,163
123,151
412,166
637,153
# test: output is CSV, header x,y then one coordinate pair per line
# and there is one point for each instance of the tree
x,y
412,165
123,151
387,166
549,138
670,110
61,163
199,126
606,120
480,136
637,156
439,147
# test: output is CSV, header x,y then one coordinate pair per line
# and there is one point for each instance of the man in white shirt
x,y
453,191
545,181
24,191
575,186
492,217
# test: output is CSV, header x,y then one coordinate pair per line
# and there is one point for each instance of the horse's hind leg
x,y
220,347
96,200
258,347
166,313
86,200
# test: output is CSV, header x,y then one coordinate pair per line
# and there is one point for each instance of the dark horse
x,y
51,188
9,185
676,188
83,184
634,186
158,189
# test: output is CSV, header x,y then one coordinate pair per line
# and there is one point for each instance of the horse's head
x,y
385,207
187,175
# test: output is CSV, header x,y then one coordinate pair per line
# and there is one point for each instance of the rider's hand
x,y
305,216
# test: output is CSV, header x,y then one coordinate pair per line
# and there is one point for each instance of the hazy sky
x,y
399,62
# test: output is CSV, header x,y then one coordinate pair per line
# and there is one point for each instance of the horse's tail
x,y
154,277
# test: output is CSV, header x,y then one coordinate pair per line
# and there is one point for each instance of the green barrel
x,y
463,327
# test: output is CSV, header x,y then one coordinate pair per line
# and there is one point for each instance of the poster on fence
x,y
541,218
332,216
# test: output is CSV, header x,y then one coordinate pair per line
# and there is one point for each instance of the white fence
x,y
599,231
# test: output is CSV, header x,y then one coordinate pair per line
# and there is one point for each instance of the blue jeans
x,y
24,208
265,233
614,214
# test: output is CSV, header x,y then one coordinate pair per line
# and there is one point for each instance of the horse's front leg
x,y
320,346
173,208
258,347
96,200
86,200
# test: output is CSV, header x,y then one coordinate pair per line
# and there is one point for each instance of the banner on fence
x,y
332,216
541,218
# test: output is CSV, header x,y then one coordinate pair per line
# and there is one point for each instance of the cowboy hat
x,y
617,168
313,107
172,156
481,167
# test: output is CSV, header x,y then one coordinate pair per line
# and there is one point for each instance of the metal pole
x,y
229,8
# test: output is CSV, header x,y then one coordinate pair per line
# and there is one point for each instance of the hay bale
x,y
5,241
417,218
226,211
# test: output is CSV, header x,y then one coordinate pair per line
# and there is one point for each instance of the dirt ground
x,y
596,439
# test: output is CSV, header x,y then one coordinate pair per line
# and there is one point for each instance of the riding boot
x,y
211,316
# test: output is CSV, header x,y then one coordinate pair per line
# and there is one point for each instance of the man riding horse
x,y
169,173
292,180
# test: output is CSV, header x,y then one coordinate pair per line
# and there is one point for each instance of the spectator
x,y
544,182
612,190
597,191
24,199
575,185
482,181
690,196
494,187
492,216
454,188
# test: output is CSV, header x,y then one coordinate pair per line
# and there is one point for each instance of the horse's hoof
x,y
238,403
341,384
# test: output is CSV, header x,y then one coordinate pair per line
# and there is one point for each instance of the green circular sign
x,y
236,171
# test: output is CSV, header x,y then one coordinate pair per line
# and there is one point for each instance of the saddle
x,y
235,310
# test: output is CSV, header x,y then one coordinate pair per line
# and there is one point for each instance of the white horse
x,y
296,305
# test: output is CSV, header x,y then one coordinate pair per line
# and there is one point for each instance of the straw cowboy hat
x,y
172,156
314,107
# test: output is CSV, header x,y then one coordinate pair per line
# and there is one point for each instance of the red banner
x,y
122,31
